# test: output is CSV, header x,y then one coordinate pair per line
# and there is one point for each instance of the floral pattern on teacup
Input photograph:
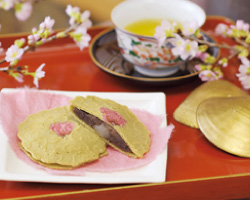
x,y
145,52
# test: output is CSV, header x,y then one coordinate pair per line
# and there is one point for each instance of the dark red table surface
x,y
195,169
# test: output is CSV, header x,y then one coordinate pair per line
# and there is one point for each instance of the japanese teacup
x,y
143,51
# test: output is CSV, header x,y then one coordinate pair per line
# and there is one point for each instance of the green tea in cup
x,y
144,27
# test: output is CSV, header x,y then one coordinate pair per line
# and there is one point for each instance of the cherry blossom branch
x,y
79,24
32,48
187,43
210,44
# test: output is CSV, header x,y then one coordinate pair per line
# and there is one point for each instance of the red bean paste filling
x,y
112,136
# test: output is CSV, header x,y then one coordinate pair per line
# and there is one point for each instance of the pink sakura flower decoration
x,y
23,10
13,54
112,117
62,128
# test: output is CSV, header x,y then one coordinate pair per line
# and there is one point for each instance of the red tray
x,y
196,169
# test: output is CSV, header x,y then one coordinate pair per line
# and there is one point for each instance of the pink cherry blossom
x,y
13,54
244,73
241,25
23,11
198,67
190,27
207,75
178,44
7,4
240,29
38,74
245,61
1,49
47,24
71,11
74,14
183,48
245,81
221,29
18,77
32,39
202,55
165,30
81,37
85,15
191,48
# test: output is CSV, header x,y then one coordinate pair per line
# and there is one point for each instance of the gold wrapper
x,y
186,112
225,122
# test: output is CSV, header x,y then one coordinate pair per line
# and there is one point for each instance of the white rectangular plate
x,y
14,169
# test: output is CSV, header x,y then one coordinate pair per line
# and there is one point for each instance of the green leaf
x,y
135,43
155,59
133,54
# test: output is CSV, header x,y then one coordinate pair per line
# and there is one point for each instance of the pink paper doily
x,y
16,106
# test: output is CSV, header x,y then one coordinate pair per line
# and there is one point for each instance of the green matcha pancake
x,y
118,126
54,138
